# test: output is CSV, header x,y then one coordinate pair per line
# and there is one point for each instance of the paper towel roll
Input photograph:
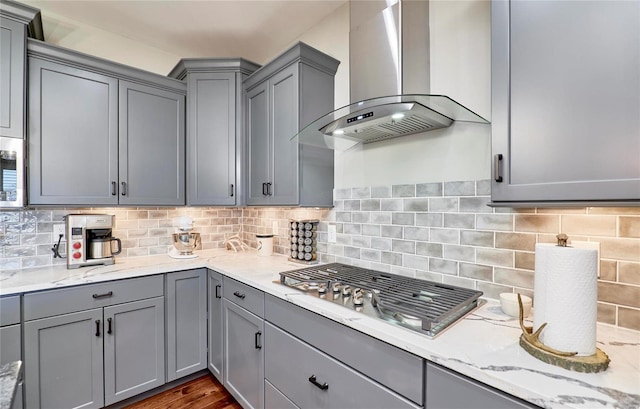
x,y
566,295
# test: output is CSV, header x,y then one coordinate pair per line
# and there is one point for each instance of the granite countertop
x,y
483,345
10,374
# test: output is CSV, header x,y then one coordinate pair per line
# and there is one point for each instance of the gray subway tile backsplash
x,y
442,232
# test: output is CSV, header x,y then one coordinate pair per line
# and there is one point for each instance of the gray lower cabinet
x,y
565,102
215,325
244,355
93,345
273,398
134,354
13,36
97,137
186,317
446,389
283,96
73,135
312,379
151,145
64,362
11,338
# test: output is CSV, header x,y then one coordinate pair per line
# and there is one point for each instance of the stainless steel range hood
x,y
389,55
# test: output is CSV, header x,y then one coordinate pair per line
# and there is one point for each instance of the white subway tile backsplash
x,y
429,219
463,188
404,219
416,205
392,205
403,190
380,191
370,205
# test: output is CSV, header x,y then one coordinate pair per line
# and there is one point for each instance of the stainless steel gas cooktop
x,y
423,306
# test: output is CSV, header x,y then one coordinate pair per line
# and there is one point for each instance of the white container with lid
x,y
265,244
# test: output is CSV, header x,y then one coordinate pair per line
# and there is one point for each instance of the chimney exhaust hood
x,y
388,55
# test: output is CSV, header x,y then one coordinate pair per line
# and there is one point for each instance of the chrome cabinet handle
x,y
497,176
109,329
241,296
258,340
124,188
323,386
231,190
114,188
218,291
97,328
105,295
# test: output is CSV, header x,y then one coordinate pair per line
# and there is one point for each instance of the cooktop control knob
x,y
358,297
346,290
335,287
322,288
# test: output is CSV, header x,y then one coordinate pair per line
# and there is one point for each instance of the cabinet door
x,y
566,100
10,341
152,146
259,145
186,301
448,390
63,361
243,355
216,330
133,348
211,139
73,136
283,92
12,72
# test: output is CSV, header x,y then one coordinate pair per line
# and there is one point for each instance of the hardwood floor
x,y
201,393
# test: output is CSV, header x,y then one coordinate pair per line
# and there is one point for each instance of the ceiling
x,y
205,28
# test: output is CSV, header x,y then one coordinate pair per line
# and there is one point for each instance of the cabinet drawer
x,y
245,296
312,379
396,369
9,310
67,300
273,398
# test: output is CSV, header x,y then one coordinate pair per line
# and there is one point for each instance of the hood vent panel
x,y
384,118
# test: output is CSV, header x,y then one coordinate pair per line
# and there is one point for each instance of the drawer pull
x,y
109,329
105,295
237,294
323,386
258,340
264,189
218,291
97,328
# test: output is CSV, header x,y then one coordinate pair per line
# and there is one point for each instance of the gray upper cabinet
x,y
214,128
73,135
186,302
446,389
216,328
565,102
282,97
151,146
12,85
17,21
101,133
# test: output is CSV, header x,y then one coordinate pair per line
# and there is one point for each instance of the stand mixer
x,y
184,239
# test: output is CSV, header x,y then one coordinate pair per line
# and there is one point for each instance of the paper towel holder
x,y
562,240
530,342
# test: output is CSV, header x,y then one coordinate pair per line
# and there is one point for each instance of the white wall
x,y
71,34
460,68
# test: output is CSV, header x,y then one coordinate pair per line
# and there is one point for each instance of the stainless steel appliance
x,y
89,240
11,172
185,240
423,306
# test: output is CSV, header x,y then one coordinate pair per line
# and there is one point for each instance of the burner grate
x,y
432,305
